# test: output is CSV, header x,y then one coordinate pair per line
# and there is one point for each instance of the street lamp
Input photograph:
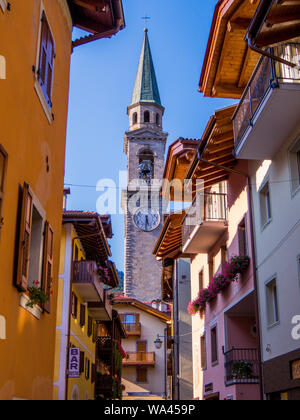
x,y
158,342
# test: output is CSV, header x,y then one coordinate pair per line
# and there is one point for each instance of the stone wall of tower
x,y
142,271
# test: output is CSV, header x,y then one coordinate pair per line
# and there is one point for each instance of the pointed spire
x,y
146,88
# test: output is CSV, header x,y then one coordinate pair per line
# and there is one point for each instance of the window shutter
x,y
46,64
74,305
81,367
82,315
90,326
93,373
48,265
137,318
122,317
25,239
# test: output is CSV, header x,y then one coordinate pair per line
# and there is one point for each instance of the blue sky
x,y
102,81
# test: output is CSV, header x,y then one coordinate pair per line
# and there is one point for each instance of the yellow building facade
x,y
35,50
83,302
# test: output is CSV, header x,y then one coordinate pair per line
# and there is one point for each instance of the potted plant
x,y
37,296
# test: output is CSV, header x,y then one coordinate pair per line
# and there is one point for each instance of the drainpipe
x,y
272,56
254,265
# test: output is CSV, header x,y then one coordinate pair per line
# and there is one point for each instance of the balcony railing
x,y
207,207
242,366
269,74
104,344
134,329
87,281
139,358
104,384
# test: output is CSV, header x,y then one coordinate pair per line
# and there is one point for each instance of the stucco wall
x,y
29,139
151,326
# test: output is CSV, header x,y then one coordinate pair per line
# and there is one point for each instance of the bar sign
x,y
74,363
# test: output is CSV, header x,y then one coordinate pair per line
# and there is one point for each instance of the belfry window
x,y
134,118
146,116
157,119
146,165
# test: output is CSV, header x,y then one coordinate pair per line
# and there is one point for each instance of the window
x,y
201,281
129,319
46,61
242,235
82,316
203,361
81,364
272,303
87,369
135,118
35,246
3,161
146,165
146,116
141,375
214,345
294,156
265,205
95,332
74,305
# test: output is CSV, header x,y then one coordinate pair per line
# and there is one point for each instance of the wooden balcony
x,y
101,311
139,359
87,281
133,330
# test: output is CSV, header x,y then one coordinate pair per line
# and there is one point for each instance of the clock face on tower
x,y
147,219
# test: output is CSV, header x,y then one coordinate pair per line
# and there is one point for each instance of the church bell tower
x,y
145,145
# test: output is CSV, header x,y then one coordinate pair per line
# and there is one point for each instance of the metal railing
x,y
241,366
267,75
139,358
105,344
206,207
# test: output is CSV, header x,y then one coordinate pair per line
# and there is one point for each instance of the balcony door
x,y
130,319
141,350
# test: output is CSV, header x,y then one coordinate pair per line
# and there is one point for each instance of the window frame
x,y
37,86
216,361
294,164
3,5
276,310
203,344
74,307
138,369
268,208
146,113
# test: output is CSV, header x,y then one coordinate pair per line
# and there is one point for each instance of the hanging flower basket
x,y
232,269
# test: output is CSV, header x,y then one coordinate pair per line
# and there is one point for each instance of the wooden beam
x,y
238,24
276,35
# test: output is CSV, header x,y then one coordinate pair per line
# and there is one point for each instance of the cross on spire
x,y
146,18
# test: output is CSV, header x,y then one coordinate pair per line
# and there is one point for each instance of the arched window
x,y
157,119
146,116
146,165
134,118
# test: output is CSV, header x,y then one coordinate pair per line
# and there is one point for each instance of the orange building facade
x,y
36,46
35,51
